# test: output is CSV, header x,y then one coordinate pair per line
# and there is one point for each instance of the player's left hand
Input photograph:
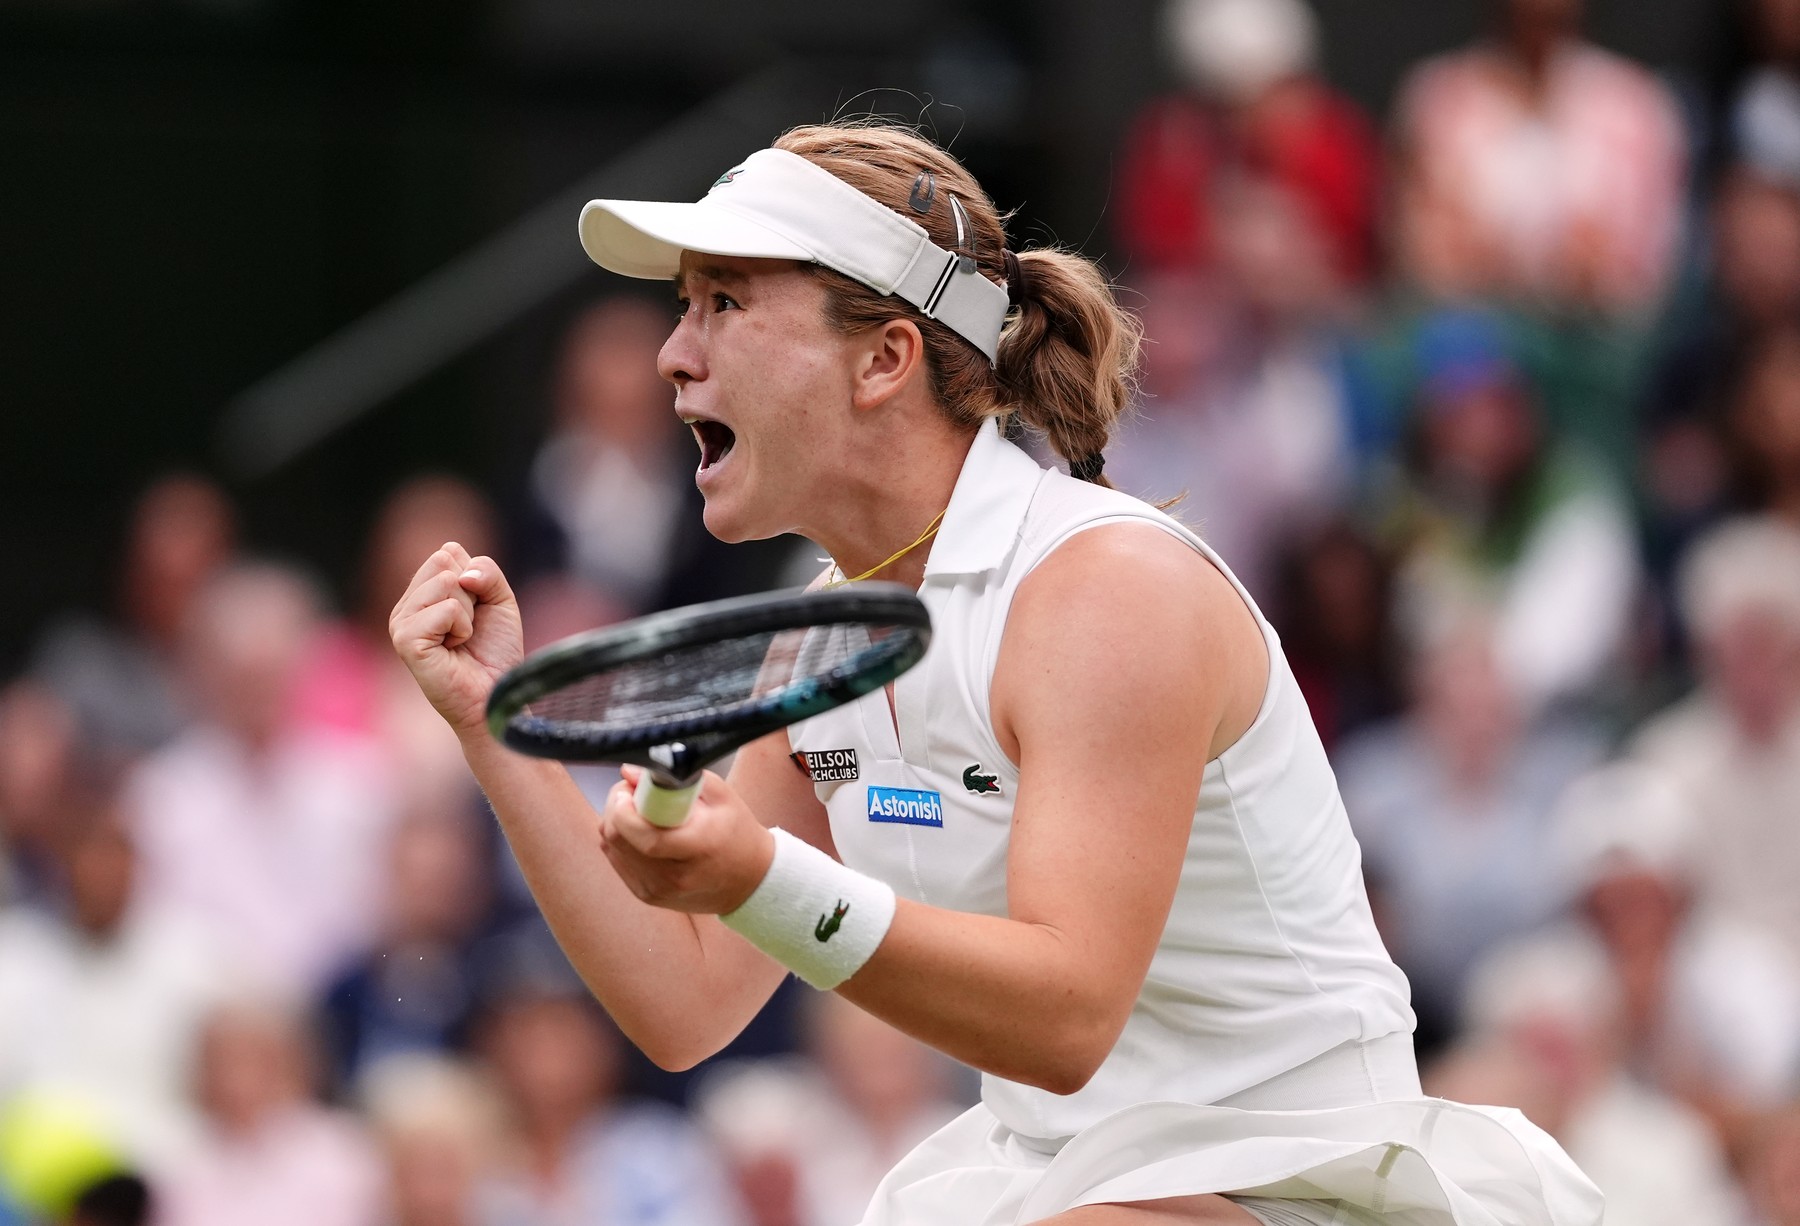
x,y
707,865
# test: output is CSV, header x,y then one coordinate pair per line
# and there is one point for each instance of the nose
x,y
680,360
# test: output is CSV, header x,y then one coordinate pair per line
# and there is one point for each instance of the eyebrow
x,y
710,272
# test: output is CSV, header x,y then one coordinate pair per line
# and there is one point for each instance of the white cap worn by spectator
x,y
1540,979
1235,49
1552,1003
1749,563
1624,816
1729,1013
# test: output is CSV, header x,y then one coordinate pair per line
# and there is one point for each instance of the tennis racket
x,y
676,691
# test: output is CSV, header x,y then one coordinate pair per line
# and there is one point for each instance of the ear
x,y
889,356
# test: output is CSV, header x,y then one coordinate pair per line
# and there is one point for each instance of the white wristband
x,y
814,916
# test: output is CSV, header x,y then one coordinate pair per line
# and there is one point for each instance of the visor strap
x,y
964,301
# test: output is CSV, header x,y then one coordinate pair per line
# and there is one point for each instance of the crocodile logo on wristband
x,y
828,924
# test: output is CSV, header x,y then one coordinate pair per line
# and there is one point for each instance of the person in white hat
x,y
1090,845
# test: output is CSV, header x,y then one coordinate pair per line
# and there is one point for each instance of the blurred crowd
x,y
1493,402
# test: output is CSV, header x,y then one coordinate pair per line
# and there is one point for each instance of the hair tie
x,y
1088,468
1015,276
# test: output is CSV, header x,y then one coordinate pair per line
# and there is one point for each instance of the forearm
x,y
1020,1000
680,986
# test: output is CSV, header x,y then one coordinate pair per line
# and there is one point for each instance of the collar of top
x,y
778,205
987,508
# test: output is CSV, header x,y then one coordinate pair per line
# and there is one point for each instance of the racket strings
x,y
716,678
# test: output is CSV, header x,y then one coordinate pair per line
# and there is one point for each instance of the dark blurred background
x,y
194,194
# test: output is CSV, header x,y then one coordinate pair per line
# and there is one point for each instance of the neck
x,y
1534,52
883,513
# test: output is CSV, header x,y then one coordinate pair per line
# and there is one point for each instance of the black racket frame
x,y
677,749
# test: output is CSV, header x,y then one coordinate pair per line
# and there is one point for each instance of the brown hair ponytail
x,y
1068,355
1069,360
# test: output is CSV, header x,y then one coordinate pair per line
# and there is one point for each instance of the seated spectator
x,y
270,1154
1542,1036
42,783
1765,110
1734,745
1753,285
609,475
1451,803
612,501
1537,166
876,1092
1720,385
415,990
104,997
441,1127
1494,510
1254,107
1334,609
355,686
119,675
1710,1005
1253,402
271,833
581,1155
1765,425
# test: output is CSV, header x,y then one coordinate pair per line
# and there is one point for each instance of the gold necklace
x,y
930,531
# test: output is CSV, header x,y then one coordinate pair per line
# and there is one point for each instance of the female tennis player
x,y
1090,845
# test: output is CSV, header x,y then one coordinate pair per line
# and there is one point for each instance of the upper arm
x,y
1128,662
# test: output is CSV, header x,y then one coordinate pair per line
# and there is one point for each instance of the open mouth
x,y
716,440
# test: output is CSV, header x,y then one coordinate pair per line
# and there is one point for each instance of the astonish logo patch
x,y
826,765
906,807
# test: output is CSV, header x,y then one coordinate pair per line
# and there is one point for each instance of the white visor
x,y
777,205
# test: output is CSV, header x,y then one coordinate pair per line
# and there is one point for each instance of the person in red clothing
x,y
1254,104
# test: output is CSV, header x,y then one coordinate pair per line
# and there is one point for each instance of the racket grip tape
x,y
663,806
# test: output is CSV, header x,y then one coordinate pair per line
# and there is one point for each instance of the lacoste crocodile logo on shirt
x,y
980,784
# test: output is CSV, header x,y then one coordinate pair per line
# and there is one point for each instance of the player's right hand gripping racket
x,y
676,691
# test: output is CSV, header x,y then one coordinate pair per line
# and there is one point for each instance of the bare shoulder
x,y
1141,578
1130,609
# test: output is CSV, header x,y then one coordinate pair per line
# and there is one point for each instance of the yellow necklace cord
x,y
930,531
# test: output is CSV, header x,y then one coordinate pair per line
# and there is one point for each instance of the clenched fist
x,y
457,628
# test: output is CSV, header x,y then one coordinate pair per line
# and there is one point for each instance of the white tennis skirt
x,y
1410,1161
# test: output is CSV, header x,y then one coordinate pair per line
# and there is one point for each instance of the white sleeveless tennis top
x,y
1270,957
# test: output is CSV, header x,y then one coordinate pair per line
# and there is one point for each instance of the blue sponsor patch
x,y
907,807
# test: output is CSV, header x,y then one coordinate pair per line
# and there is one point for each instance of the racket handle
x,y
664,806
